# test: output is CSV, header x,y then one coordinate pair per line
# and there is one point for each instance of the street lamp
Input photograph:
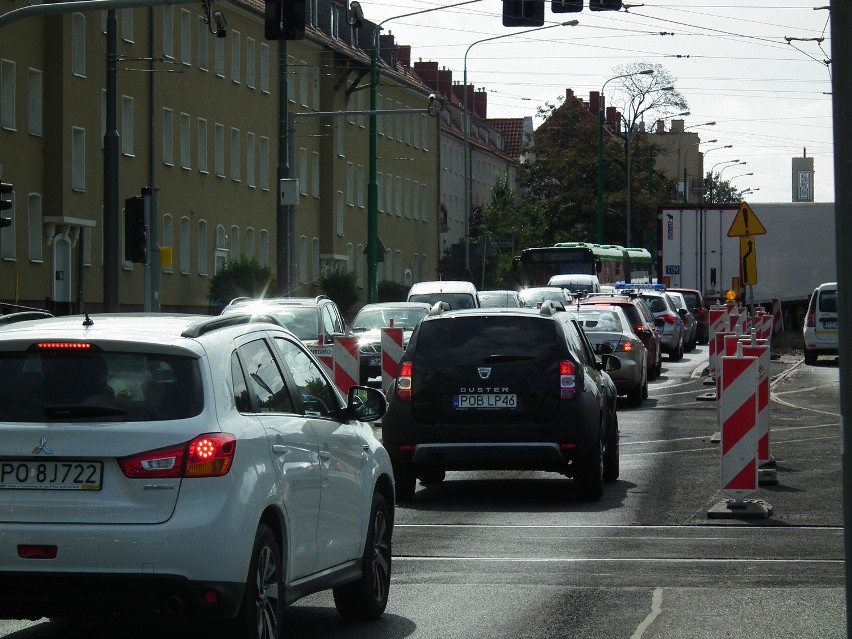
x,y
599,212
372,184
739,176
467,158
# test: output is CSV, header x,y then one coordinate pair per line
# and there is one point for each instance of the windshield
x,y
372,319
455,300
594,321
301,320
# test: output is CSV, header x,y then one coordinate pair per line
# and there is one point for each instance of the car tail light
x,y
33,551
567,380
403,382
209,455
700,313
639,328
63,346
668,318
625,347
810,320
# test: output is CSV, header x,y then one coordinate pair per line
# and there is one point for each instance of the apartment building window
x,y
303,171
168,137
249,242
398,199
315,175
169,32
203,59
251,71
316,87
127,125
86,234
397,266
185,37
168,239
264,67
350,258
340,135
219,57
335,21
380,119
415,131
34,228
220,253
127,25
7,94
34,104
202,145
202,247
360,181
389,194
315,260
292,72
236,155
304,97
424,131
78,45
380,192
264,248
78,159
340,212
406,198
303,259
389,264
235,243
183,264
313,11
424,201
219,150
359,266
250,160
398,124
415,208
185,150
264,163
360,102
424,273
407,120
236,60
350,184
7,236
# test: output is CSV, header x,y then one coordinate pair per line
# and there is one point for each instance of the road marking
x,y
613,560
656,608
743,531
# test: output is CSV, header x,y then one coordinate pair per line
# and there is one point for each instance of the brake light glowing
x,y
810,321
701,313
403,382
625,347
210,455
639,328
668,318
567,380
63,346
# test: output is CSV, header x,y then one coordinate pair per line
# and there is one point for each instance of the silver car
x,y
668,320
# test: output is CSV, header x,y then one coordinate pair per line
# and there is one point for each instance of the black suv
x,y
502,389
313,320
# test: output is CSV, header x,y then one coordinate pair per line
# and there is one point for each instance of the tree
x,y
244,277
342,287
718,192
652,94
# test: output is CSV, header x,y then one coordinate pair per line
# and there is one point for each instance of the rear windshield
x,y
47,385
828,301
692,300
455,300
482,340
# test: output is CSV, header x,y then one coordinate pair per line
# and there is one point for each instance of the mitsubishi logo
x,y
484,373
43,447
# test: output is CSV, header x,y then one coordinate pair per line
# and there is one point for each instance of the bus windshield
x,y
610,262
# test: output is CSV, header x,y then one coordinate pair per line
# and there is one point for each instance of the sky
x,y
760,69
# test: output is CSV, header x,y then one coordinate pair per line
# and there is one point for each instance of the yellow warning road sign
x,y
748,260
746,223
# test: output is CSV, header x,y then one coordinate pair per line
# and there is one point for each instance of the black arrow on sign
x,y
749,249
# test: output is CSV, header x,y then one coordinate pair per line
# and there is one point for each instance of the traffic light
x,y
5,204
566,6
523,13
604,5
284,19
135,231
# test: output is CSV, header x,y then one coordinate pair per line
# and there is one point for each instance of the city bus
x,y
610,262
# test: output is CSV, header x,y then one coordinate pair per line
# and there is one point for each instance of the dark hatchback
x,y
502,389
696,304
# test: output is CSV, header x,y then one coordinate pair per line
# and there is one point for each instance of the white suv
x,y
820,330
185,464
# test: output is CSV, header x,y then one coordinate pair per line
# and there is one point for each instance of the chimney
x,y
676,127
613,119
660,126
594,102
480,104
569,96
459,91
387,48
445,82
403,53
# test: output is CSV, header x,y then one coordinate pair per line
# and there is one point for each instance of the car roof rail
x,y
550,307
439,307
322,297
23,316
197,329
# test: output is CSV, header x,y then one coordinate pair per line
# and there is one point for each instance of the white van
x,y
820,330
577,282
457,294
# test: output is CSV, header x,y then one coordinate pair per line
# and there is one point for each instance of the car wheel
x,y
634,396
677,354
645,388
367,598
658,370
611,456
403,475
589,473
432,476
260,613
810,358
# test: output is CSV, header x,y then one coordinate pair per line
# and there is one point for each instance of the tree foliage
x,y
342,287
244,277
720,192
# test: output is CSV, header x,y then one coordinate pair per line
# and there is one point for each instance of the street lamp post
x,y
372,184
599,209
466,126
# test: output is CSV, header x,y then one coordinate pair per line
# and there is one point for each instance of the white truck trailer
x,y
793,256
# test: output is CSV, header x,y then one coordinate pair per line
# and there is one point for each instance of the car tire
x,y
367,598
403,475
588,475
677,354
260,613
634,396
810,358
611,456
658,369
645,388
431,476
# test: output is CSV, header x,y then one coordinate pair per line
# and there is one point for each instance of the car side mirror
x,y
611,363
659,322
365,404
682,312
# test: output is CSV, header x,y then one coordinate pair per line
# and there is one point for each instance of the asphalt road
x,y
514,555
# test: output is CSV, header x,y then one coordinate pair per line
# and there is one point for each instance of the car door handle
x,y
280,449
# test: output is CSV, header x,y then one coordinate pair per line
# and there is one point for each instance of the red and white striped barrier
x,y
777,315
764,330
347,366
738,412
392,351
760,349
718,323
325,355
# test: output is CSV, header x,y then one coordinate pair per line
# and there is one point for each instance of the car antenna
x,y
88,321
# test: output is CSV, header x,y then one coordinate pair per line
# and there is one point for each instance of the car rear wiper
x,y
87,410
495,359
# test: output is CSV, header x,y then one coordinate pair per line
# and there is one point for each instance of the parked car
x,y
187,465
690,325
534,296
696,303
458,294
502,389
671,326
314,320
642,321
820,331
500,299
609,331
367,325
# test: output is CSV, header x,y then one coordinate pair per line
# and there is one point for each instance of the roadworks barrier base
x,y
743,509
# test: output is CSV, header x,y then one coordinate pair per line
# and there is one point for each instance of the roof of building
x,y
513,134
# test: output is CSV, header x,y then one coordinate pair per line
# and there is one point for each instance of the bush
x,y
244,277
390,291
342,287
